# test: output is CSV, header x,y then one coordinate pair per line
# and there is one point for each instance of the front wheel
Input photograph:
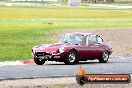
x,y
39,61
104,57
71,58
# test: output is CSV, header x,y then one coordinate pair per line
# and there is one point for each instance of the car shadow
x,y
80,63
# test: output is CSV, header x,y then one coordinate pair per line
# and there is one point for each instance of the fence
x,y
66,1
108,1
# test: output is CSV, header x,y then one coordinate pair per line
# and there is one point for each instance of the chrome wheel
x,y
104,58
72,57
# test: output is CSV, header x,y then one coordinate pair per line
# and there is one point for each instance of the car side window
x,y
92,40
99,39
81,39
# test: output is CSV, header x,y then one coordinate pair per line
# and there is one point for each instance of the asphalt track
x,y
117,65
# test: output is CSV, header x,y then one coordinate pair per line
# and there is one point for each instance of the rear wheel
x,y
104,58
71,58
38,61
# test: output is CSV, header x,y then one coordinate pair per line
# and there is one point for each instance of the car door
x,y
87,51
81,46
82,51
93,49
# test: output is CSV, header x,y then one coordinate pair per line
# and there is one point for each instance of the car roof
x,y
82,33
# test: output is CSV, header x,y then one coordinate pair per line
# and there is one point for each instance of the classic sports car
x,y
73,47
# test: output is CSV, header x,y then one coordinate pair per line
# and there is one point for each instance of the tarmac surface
x,y
117,65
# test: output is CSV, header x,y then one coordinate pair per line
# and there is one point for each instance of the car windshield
x,y
73,38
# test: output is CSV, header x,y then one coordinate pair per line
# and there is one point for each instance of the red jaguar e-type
x,y
73,47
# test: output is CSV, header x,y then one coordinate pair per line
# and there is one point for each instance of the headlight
x,y
61,50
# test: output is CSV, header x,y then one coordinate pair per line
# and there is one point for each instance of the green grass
x,y
56,12
21,28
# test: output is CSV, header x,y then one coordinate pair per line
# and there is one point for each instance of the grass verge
x,y
21,28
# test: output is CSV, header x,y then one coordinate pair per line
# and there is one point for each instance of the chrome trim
x,y
56,54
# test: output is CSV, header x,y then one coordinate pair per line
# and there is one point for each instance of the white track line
x,y
11,63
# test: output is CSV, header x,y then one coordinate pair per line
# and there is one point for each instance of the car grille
x,y
42,53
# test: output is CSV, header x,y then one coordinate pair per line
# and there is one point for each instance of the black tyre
x,y
39,61
104,57
77,62
71,58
